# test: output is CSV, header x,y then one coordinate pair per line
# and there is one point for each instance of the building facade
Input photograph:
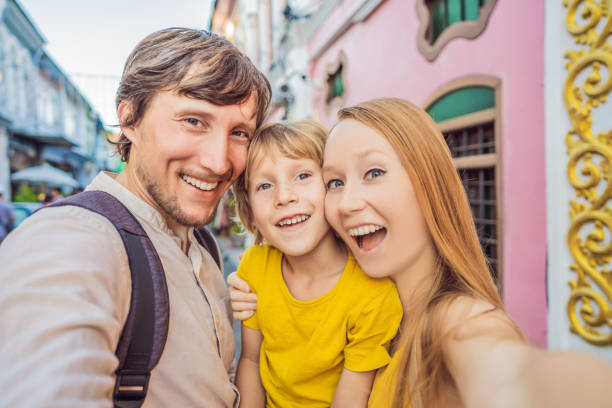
x,y
44,118
492,74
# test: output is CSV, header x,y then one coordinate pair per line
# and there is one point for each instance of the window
x,y
467,117
335,88
444,20
447,12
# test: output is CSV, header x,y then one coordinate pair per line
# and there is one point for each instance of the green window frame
x,y
445,13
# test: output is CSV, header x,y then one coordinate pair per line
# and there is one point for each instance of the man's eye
x,y
193,121
241,133
374,173
334,183
264,186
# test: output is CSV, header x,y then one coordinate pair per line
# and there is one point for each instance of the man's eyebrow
x,y
194,112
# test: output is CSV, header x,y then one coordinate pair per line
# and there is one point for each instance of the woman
x,y
387,169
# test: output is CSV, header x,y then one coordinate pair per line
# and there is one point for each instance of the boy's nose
x,y
285,195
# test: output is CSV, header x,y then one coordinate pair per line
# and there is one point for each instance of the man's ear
x,y
124,113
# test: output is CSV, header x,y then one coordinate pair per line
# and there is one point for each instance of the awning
x,y
45,174
63,154
51,139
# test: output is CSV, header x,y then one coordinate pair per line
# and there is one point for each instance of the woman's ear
x,y
124,113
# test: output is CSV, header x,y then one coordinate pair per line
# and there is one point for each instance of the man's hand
x,y
243,301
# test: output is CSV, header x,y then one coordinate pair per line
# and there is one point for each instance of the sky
x,y
90,40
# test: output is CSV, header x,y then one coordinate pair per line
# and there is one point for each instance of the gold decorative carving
x,y
589,171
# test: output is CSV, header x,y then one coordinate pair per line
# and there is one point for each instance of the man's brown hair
x,y
190,62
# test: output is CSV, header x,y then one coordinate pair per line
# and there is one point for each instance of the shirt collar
x,y
106,181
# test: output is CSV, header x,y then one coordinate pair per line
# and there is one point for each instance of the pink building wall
x,y
383,60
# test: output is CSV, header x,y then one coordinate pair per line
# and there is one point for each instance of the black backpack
x,y
145,332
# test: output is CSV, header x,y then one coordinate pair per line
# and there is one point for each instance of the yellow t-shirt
x,y
385,383
307,344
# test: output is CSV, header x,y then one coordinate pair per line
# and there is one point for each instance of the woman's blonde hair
x,y
298,140
461,265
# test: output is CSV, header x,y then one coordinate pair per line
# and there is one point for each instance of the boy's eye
x,y
374,173
303,176
334,183
264,186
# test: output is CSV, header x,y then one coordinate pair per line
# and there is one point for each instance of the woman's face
x,y
371,202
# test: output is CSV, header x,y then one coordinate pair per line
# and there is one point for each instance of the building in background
x,y
44,118
530,135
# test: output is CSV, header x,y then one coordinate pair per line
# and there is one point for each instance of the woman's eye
x,y
334,183
374,173
303,176
264,186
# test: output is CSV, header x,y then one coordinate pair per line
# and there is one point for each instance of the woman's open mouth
x,y
367,237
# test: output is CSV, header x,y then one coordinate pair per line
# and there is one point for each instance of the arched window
x,y
443,20
467,113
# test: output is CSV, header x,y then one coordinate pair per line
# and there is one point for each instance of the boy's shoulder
x,y
365,284
259,252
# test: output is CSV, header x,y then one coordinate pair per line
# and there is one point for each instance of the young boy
x,y
322,326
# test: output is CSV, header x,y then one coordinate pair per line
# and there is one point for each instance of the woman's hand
x,y
243,301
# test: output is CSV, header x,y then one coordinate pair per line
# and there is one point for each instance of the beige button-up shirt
x,y
64,296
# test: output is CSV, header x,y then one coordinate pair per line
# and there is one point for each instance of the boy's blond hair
x,y
298,140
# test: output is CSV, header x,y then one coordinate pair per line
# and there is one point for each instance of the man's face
x,y
186,153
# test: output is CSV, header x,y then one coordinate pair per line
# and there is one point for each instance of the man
x,y
188,104
56,194
7,217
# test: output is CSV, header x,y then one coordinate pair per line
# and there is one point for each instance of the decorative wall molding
x,y
360,11
464,29
589,171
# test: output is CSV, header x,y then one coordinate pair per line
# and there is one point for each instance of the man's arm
x,y
353,389
64,294
248,379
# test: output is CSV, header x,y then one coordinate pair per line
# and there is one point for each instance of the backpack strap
x,y
146,328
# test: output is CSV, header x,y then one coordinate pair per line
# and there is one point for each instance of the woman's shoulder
x,y
469,316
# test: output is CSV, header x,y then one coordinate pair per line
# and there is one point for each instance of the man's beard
x,y
169,205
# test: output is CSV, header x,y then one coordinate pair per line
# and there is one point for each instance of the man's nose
x,y
215,154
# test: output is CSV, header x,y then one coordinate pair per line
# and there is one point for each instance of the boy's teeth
x,y
364,230
199,184
293,220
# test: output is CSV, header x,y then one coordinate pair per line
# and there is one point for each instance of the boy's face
x,y
287,199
